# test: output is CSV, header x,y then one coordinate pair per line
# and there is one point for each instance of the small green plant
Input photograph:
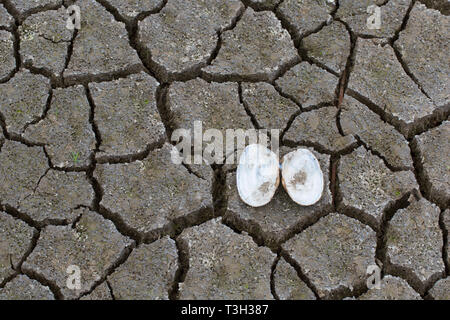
x,y
18,113
75,157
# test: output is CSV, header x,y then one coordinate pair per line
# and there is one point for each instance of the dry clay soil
x,y
86,177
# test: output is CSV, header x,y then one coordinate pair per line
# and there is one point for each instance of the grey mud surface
x,y
86,177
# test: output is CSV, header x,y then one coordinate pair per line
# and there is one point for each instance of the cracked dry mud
x,y
86,176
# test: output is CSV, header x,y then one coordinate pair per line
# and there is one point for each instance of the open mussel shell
x,y
302,177
257,175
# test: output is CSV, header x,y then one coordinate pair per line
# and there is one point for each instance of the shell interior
x,y
257,175
302,177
